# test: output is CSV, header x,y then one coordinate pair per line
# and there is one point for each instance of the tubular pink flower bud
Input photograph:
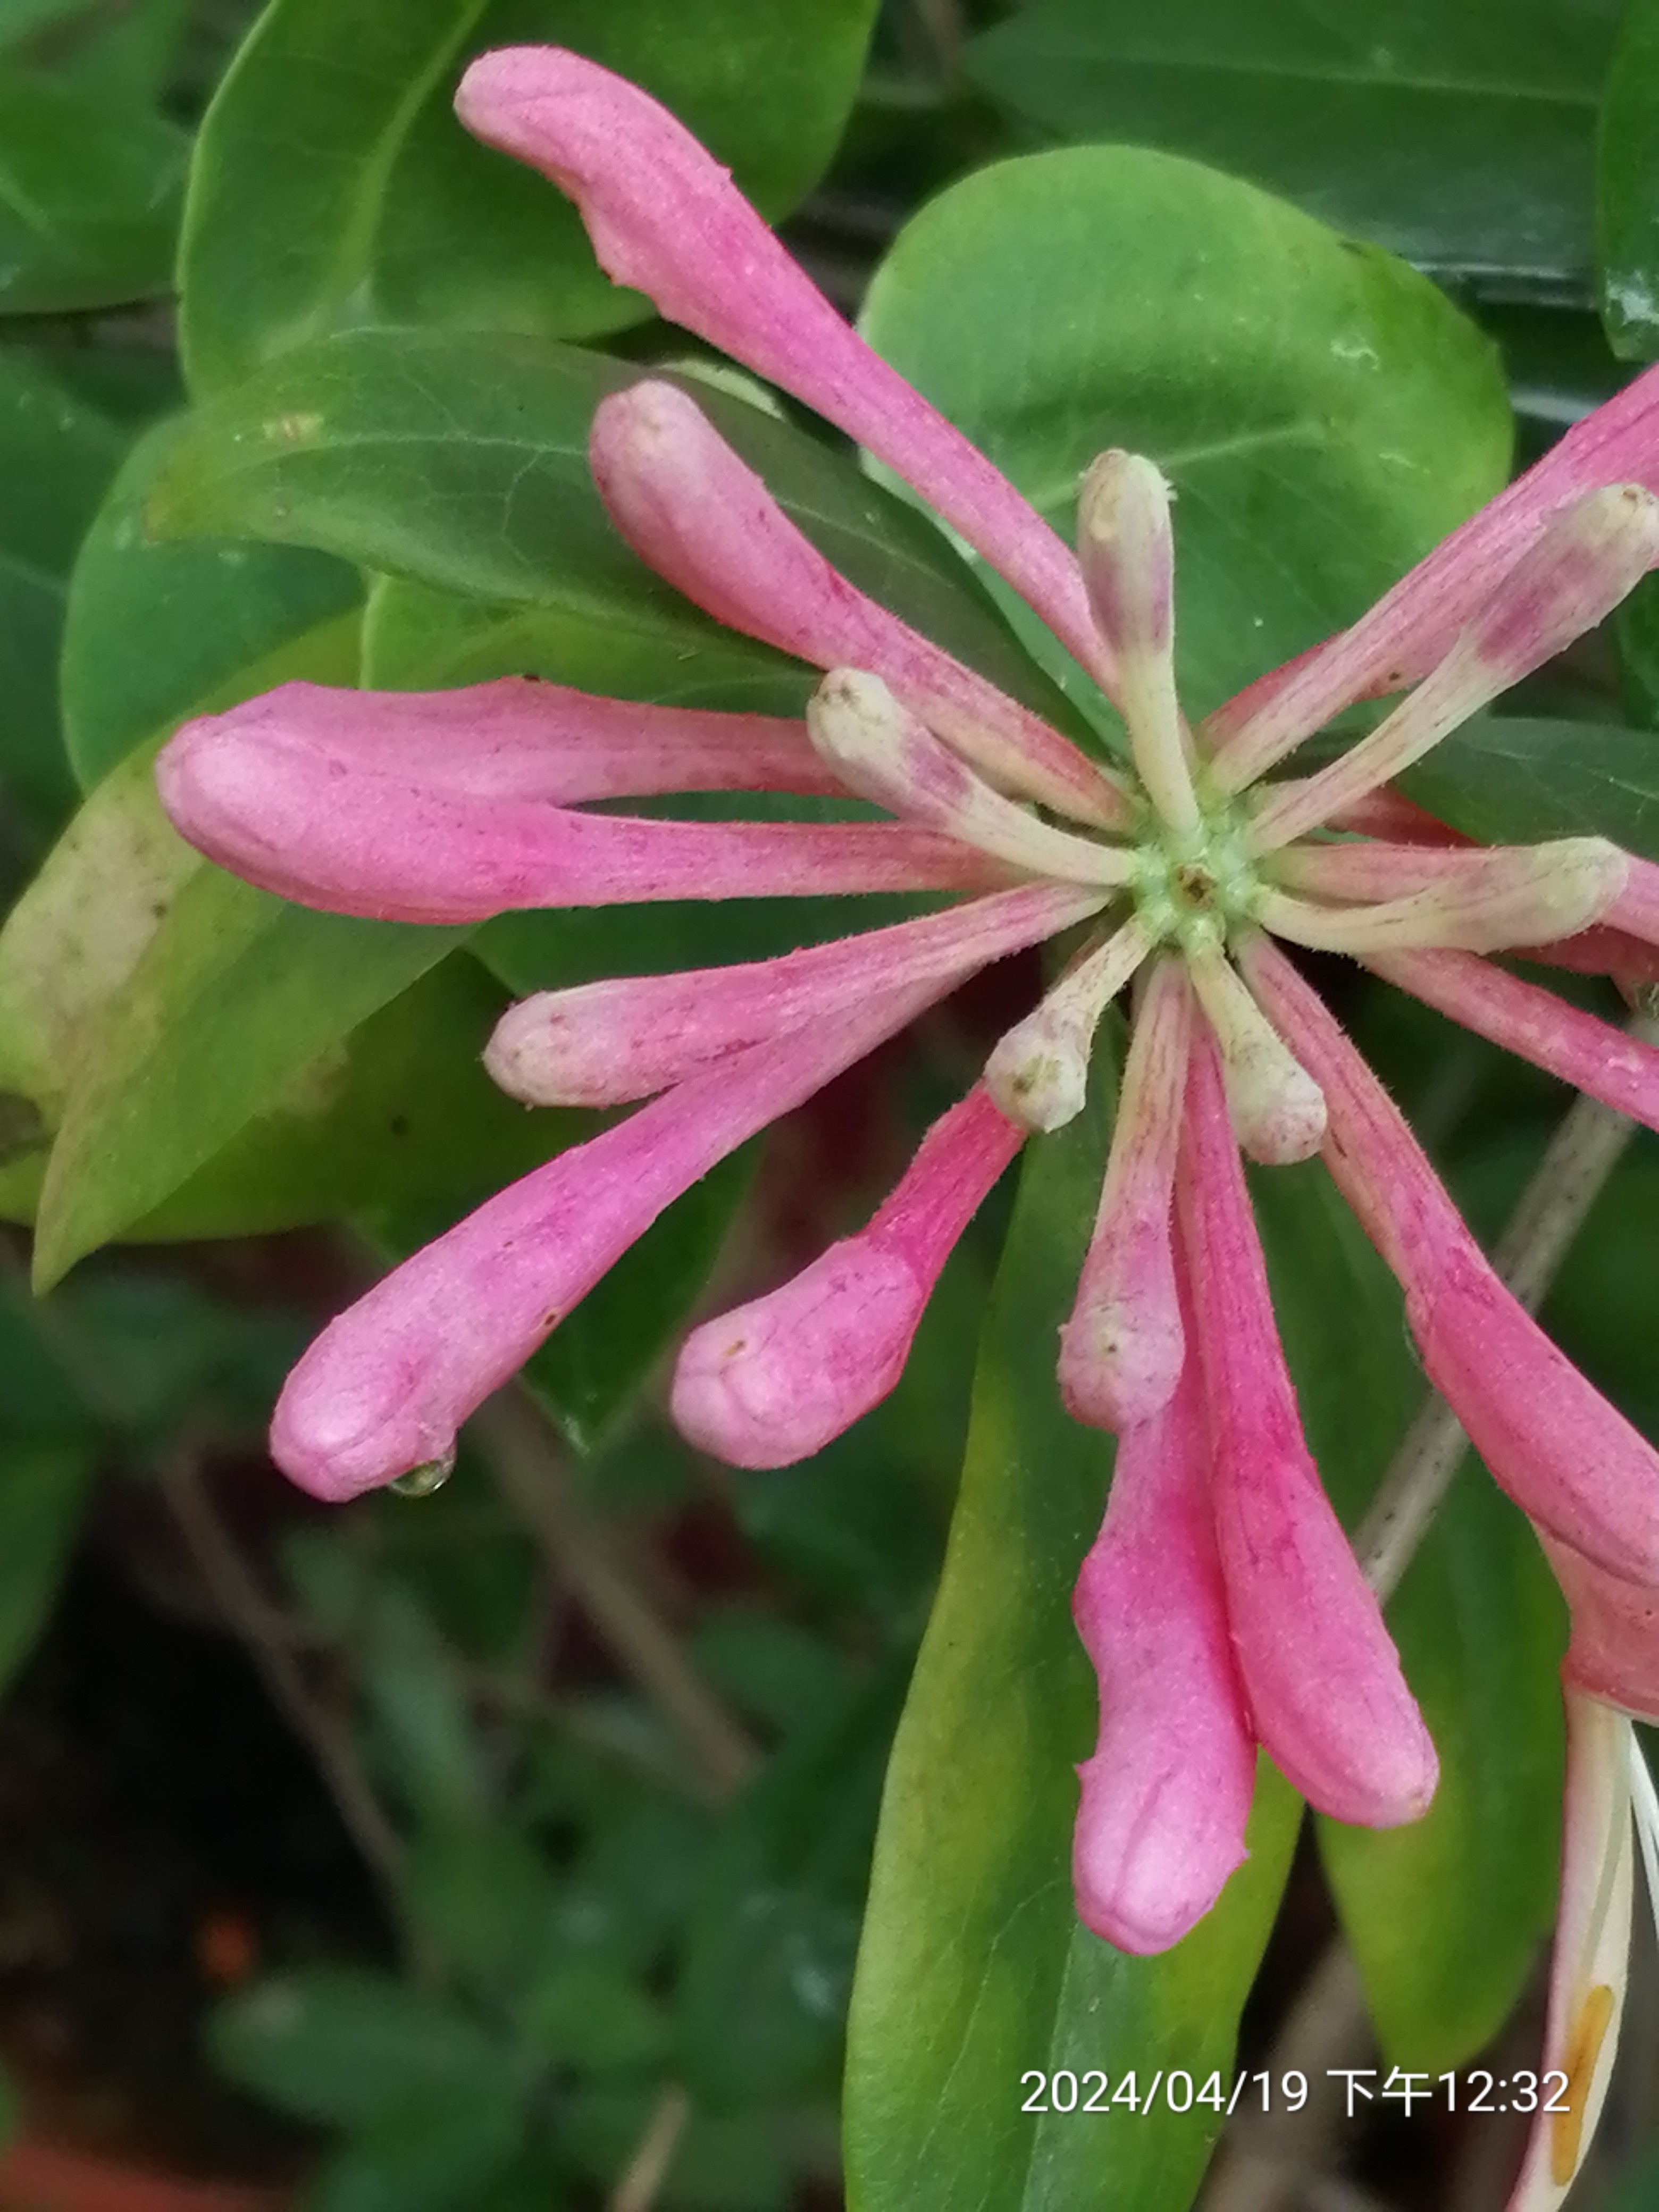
x,y
665,217
1123,1352
392,845
516,738
1039,1071
1128,555
1587,558
1166,1796
1321,1672
1595,1058
776,1380
1480,901
1277,1115
384,1388
700,516
1569,1460
604,1044
878,748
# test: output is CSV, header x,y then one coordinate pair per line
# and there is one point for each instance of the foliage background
x,y
605,1728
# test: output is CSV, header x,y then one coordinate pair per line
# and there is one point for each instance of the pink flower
x,y
1222,1606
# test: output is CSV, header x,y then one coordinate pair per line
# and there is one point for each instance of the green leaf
x,y
417,639
436,2149
400,1115
343,2046
973,1967
1627,187
1445,1917
460,460
237,1005
56,457
485,1899
71,943
1325,414
1459,135
333,184
157,633
89,197
43,1494
1515,781
768,1962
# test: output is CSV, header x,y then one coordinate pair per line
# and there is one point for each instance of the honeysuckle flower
x,y
1611,1809
1222,1606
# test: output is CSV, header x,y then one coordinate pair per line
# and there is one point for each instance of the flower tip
x,y
337,1439
1120,1362
776,1380
210,779
1038,1075
648,423
1148,1864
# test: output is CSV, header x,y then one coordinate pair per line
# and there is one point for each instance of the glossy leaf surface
x,y
1325,414
334,185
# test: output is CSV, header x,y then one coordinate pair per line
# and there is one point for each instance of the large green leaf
x,y
1445,1917
238,1005
333,184
1324,413
1627,187
56,457
1515,781
156,633
1457,132
460,460
89,197
973,1967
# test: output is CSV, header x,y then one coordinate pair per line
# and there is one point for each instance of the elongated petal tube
x,y
1614,1652
1320,1669
776,1380
1166,1796
1591,1055
1123,1349
391,845
601,1044
1567,1456
516,738
665,217
701,517
385,1386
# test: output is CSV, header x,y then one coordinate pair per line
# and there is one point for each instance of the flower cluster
x,y
1222,1606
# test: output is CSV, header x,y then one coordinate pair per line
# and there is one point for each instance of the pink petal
x,y
1166,1796
384,1388
1320,1670
603,1044
521,739
1410,629
1485,901
1598,952
1567,1458
1123,1352
1614,1652
356,841
700,516
1591,1055
665,217
774,1381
